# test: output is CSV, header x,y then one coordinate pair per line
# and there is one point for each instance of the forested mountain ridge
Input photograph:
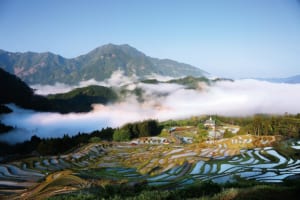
x,y
14,90
98,64
81,99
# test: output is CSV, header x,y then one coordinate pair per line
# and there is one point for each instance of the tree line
x,y
138,129
54,146
260,124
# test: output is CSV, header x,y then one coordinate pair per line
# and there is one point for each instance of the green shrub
x,y
94,139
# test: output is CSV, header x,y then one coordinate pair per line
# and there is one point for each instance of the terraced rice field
x,y
249,157
250,164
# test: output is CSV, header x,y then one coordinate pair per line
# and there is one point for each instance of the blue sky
x,y
232,38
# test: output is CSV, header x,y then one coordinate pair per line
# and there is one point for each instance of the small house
x,y
210,123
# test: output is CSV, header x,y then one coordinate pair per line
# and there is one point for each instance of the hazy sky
x,y
232,38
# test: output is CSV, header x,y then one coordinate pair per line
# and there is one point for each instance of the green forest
x,y
14,90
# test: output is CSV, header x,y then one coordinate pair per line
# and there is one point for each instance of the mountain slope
x,y
81,99
14,90
37,67
99,64
292,79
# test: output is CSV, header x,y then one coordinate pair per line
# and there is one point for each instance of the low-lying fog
x,y
163,102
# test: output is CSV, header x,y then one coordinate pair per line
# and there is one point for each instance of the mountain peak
x,y
116,45
114,48
98,64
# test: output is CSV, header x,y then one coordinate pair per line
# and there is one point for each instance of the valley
x,y
140,135
149,100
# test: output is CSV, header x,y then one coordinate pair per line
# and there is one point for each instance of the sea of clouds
x,y
162,102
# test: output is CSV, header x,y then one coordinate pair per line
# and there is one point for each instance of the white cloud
x,y
242,97
117,79
159,77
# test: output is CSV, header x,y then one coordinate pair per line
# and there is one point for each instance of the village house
x,y
150,140
210,123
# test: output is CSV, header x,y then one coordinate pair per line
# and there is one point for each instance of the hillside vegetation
x,y
190,82
14,90
81,99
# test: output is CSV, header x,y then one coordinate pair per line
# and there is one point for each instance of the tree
x,y
148,128
43,148
121,135
34,141
95,139
257,125
132,129
228,134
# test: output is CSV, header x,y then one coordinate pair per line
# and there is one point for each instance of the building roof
x,y
210,122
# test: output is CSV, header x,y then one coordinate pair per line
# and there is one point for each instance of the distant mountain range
x,y
292,79
99,64
14,90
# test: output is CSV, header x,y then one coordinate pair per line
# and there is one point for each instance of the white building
x,y
210,123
